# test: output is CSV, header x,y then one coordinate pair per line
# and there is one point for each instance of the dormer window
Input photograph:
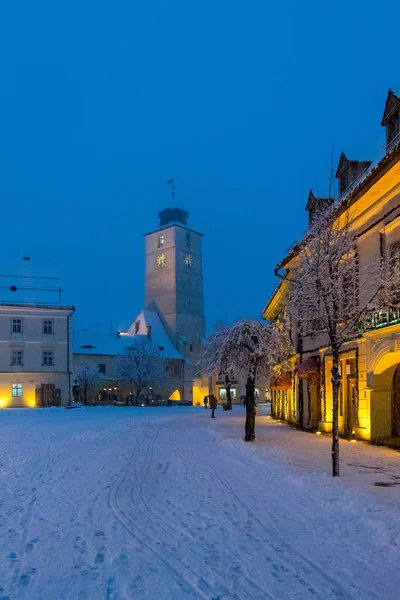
x,y
343,182
393,128
391,120
316,207
161,241
350,173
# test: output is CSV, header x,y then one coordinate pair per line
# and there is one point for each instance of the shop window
x,y
17,390
222,394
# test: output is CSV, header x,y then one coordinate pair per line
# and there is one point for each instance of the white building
x,y
35,355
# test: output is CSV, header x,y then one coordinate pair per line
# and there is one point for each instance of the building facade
x,y
369,397
35,355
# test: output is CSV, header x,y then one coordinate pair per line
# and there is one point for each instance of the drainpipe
x,y
68,354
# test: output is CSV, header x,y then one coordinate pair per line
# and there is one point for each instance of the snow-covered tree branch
x,y
86,374
143,364
247,348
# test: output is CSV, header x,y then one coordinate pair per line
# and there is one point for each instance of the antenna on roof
x,y
171,182
331,171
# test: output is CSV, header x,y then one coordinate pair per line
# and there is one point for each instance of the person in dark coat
x,y
213,405
205,401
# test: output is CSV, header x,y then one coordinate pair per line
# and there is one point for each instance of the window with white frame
x,y
17,357
222,394
48,357
17,390
16,325
48,326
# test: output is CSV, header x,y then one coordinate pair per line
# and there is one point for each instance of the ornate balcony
x,y
379,318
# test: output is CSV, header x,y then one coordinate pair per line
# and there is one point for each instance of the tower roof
x,y
173,215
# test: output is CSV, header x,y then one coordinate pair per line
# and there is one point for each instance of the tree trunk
x,y
250,428
85,390
301,389
335,413
228,392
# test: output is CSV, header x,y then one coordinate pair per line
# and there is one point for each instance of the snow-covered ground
x,y
165,503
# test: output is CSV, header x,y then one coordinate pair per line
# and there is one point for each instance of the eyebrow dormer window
x,y
160,241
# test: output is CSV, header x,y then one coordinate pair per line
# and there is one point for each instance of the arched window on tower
x,y
160,241
188,240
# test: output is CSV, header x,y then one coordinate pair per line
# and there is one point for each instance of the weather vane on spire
x,y
171,182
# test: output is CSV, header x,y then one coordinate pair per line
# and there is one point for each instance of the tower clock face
x,y
188,260
161,260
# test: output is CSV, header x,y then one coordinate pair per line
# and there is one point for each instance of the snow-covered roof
x,y
87,341
159,335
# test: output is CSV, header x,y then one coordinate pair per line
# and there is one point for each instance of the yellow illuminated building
x,y
369,400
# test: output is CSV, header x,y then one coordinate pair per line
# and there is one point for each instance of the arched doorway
x,y
396,402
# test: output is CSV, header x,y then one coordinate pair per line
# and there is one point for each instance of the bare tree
x,y
330,294
247,348
143,364
86,374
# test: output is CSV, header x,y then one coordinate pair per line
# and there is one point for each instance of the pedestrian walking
x,y
205,401
213,405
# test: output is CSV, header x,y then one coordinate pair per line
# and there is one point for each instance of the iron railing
x,y
379,318
392,145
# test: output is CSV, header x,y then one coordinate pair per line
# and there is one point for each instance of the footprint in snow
x,y
25,579
99,557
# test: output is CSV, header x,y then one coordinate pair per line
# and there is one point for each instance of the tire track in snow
x,y
337,587
140,536
200,549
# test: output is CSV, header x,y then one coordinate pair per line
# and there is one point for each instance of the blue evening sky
x,y
101,101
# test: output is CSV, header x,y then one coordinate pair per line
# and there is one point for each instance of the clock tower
x,y
174,280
